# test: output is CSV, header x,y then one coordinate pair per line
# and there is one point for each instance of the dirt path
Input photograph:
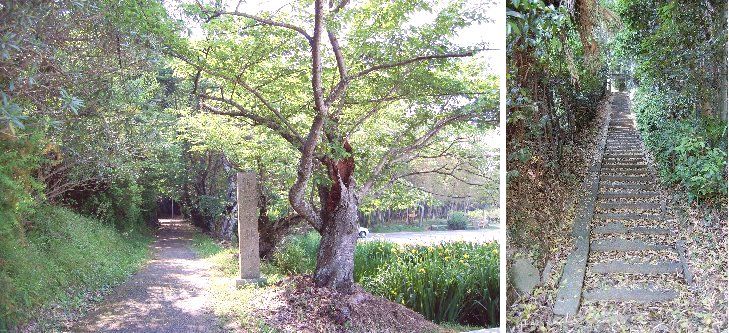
x,y
167,295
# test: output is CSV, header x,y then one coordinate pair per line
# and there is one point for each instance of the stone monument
x,y
249,262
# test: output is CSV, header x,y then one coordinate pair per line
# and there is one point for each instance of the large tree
x,y
359,90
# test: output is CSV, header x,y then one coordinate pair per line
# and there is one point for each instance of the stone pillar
x,y
248,195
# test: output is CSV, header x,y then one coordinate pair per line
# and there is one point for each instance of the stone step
x,y
616,216
626,171
623,166
627,178
628,205
623,156
641,295
619,228
619,244
627,195
613,137
620,150
624,147
627,186
637,160
621,266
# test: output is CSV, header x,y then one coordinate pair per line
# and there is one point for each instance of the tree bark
x,y
335,259
339,215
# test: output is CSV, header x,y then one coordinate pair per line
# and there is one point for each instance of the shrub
x,y
688,152
457,221
297,255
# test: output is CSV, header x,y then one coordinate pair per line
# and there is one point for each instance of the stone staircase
x,y
632,254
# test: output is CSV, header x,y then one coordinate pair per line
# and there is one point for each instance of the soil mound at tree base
x,y
312,309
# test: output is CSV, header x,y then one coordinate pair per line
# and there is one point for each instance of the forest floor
x,y
169,294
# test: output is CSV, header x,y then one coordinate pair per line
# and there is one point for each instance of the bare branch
x,y
337,54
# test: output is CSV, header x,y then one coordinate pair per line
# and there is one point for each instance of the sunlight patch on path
x,y
168,295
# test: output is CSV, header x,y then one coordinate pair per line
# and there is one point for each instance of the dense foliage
x,y
79,127
681,97
450,282
556,78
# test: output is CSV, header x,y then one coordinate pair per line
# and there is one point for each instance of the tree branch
x,y
344,83
297,193
395,155
257,19
244,112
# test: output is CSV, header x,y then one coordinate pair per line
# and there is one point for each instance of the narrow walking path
x,y
167,295
627,249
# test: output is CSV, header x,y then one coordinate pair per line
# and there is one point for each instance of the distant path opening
x,y
167,295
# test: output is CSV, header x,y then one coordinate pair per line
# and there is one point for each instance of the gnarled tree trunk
x,y
339,215
335,259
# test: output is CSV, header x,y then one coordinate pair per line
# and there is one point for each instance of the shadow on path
x,y
167,295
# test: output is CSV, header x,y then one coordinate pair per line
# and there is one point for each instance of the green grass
x,y
204,246
59,259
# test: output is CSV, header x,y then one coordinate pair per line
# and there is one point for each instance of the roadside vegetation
x,y
62,261
450,284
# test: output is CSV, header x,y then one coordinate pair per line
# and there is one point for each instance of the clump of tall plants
x,y
449,282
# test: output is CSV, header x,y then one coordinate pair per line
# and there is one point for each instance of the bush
x,y
457,221
689,153
297,255
451,282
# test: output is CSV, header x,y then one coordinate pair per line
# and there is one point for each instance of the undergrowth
x,y
61,256
690,152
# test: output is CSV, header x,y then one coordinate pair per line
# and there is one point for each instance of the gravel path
x,y
492,233
167,295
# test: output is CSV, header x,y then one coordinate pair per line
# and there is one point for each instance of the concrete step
x,y
629,205
614,216
623,156
619,228
641,295
627,178
627,186
627,195
626,171
622,166
618,244
621,266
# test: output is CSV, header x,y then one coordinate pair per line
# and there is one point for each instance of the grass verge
x,y
60,261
